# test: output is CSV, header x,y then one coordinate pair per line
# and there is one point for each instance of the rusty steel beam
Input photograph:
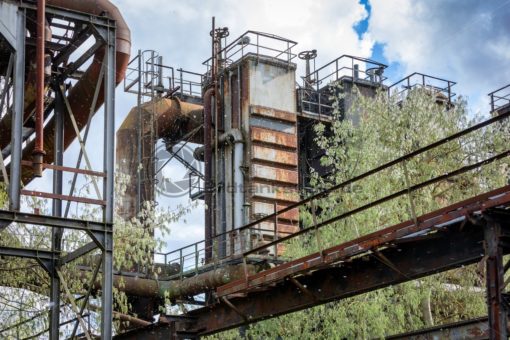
x,y
448,248
68,169
86,200
415,259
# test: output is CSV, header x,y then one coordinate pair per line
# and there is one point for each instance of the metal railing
x,y
314,95
315,102
442,88
246,241
256,43
500,98
165,79
356,68
186,83
190,260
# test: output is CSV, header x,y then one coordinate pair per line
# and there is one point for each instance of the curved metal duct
x,y
174,119
80,96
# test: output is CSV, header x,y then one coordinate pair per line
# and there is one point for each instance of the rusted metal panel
x,y
274,125
269,116
266,154
273,173
282,228
273,137
263,209
279,193
273,113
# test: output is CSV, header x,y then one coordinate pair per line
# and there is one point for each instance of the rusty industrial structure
x,y
251,125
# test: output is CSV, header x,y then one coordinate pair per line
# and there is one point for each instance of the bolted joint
x,y
37,162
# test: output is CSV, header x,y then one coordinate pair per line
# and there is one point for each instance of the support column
x,y
108,187
17,120
57,212
498,311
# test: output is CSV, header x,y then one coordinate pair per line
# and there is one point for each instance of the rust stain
x,y
273,113
263,208
273,137
280,193
265,172
267,154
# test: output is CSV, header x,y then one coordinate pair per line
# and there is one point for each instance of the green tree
x,y
374,131
24,286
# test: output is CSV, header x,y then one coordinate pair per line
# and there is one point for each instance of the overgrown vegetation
x,y
134,243
373,132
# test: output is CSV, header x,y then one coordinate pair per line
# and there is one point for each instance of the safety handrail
x,y
500,97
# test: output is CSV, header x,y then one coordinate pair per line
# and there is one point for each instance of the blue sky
x,y
377,54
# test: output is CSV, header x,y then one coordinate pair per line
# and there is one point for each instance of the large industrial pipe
x,y
81,95
209,94
38,152
148,287
173,120
187,287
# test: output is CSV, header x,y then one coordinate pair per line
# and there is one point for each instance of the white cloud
x,y
180,29
464,41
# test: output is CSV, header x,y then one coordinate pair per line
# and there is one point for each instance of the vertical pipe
x,y
222,201
38,153
239,107
238,184
208,96
139,135
450,94
160,76
217,121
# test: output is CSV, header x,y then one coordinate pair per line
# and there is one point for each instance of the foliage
x,y
372,132
24,286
